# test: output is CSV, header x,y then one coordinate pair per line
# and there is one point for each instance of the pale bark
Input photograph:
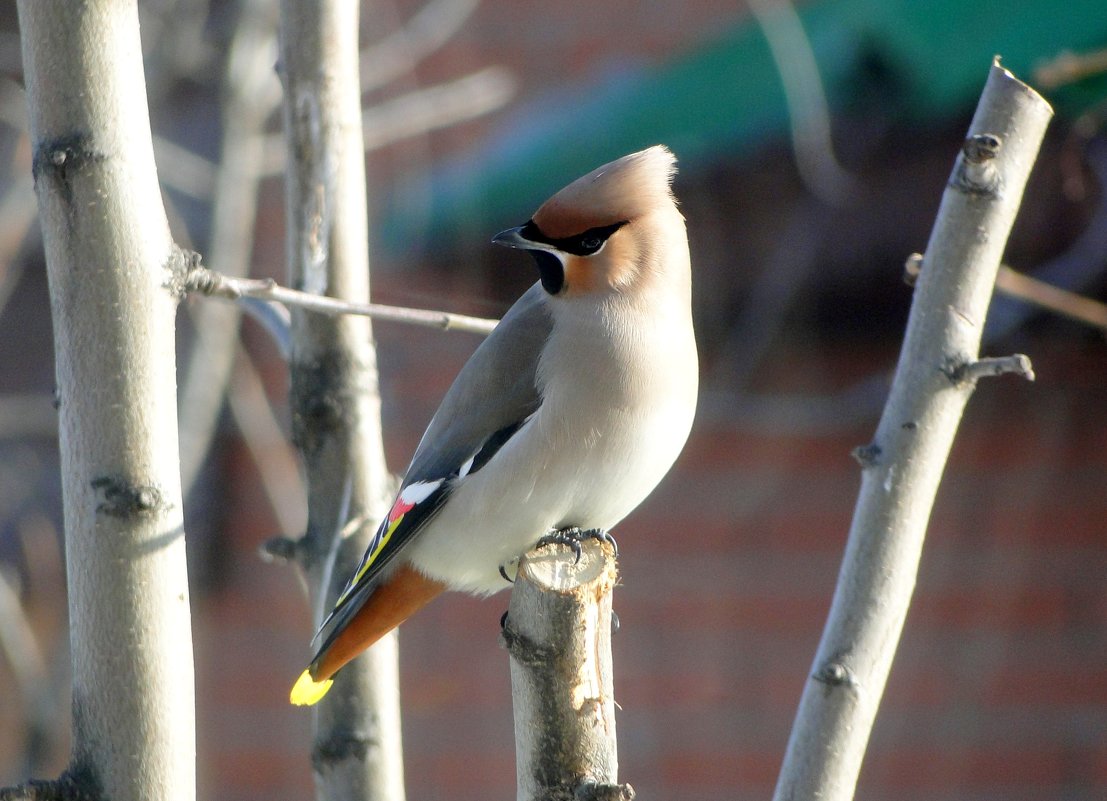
x,y
902,467
249,97
109,258
558,632
217,284
335,401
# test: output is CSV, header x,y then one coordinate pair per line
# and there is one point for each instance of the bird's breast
x,y
615,414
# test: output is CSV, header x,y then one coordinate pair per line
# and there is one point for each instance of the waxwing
x,y
563,420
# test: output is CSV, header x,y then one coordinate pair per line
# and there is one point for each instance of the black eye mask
x,y
583,244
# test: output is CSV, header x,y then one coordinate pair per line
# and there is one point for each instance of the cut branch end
x,y
1016,364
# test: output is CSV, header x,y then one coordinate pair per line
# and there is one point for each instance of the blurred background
x,y
815,141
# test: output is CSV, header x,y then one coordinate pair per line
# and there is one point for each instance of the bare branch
x,y
808,114
1019,285
334,397
558,632
1068,67
250,94
209,282
420,111
270,450
904,463
440,106
1047,296
426,31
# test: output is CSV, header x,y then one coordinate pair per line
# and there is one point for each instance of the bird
x,y
561,422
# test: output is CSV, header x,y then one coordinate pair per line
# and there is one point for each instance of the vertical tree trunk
x,y
335,401
937,371
558,632
110,261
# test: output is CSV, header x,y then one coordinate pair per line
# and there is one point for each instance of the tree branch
x,y
1047,296
209,282
272,453
1015,284
558,632
903,465
421,111
250,93
426,31
808,114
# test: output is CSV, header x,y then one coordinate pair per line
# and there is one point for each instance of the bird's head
x,y
605,229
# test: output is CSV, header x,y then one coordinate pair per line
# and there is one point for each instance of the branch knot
x,y
974,173
340,746
867,455
835,673
524,650
122,498
281,549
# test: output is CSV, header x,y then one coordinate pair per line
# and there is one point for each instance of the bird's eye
x,y
586,243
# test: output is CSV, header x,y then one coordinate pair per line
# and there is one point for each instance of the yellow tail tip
x,y
307,691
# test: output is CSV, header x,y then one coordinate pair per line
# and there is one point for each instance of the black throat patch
x,y
550,270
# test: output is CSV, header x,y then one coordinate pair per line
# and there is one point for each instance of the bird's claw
x,y
574,536
603,536
503,572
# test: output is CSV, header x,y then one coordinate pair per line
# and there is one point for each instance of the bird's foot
x,y
503,572
574,536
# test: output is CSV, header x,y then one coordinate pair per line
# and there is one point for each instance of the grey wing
x,y
492,396
488,402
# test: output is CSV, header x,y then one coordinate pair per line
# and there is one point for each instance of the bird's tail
x,y
359,625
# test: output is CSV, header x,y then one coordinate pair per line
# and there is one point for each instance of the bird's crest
x,y
619,191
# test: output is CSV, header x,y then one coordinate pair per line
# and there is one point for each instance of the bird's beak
x,y
513,238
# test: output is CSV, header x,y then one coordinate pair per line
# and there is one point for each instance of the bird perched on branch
x,y
561,422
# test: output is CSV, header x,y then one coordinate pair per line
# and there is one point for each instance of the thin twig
x,y
1019,285
209,282
1016,364
426,31
808,113
1069,304
1068,67
438,106
268,447
419,111
250,93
